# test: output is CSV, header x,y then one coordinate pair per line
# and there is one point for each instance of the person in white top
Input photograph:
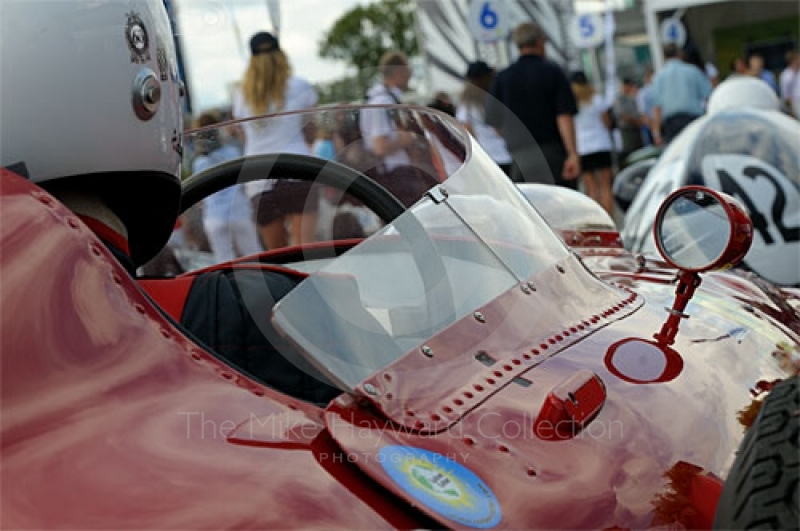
x,y
227,216
470,112
594,142
790,82
404,154
268,87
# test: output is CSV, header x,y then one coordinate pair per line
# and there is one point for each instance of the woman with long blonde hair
x,y
593,137
268,87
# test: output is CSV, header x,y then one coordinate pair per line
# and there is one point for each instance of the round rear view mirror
x,y
698,229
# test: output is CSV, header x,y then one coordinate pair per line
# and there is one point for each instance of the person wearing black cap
x,y
471,109
269,87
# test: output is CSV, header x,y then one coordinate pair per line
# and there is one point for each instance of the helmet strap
x,y
106,233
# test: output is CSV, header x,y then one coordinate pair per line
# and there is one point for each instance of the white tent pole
x,y
237,33
651,23
611,59
274,9
597,75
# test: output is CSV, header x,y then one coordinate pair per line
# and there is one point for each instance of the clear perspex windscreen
x,y
469,240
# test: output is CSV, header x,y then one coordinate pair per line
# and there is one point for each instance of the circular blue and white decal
x,y
442,485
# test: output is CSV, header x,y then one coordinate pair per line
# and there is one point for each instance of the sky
x,y
215,35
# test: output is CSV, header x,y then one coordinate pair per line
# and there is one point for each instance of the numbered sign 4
x,y
673,31
588,31
488,20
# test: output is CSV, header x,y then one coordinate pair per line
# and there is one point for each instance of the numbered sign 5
x,y
588,30
673,31
488,20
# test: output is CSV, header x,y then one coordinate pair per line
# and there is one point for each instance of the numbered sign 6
x,y
587,30
488,20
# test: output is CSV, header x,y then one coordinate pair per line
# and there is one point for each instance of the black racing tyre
x,y
761,491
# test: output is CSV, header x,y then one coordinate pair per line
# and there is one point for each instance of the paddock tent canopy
x,y
651,10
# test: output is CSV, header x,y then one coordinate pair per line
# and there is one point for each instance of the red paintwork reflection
x,y
688,482
753,294
612,473
592,239
112,419
519,330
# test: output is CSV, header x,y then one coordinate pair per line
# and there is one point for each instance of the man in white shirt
x,y
388,140
380,134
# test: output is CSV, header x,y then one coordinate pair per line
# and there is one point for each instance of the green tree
x,y
362,35
347,89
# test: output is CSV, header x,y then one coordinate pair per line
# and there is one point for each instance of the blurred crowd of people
x,y
537,122
549,124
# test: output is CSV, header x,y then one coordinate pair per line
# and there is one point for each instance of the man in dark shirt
x,y
532,106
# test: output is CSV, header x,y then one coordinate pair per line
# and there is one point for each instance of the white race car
x,y
744,146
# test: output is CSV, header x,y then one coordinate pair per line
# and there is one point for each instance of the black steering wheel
x,y
440,300
291,166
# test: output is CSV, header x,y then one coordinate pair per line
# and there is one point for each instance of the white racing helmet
x,y
91,101
743,92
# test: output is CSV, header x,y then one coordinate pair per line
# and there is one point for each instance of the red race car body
x,y
538,401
